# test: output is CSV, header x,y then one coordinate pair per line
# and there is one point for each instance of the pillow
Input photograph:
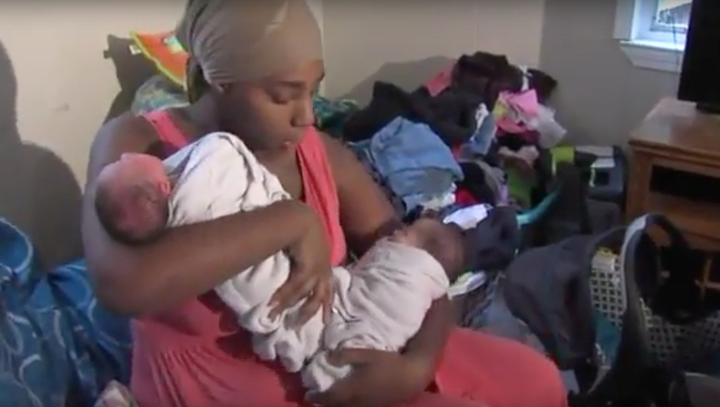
x,y
165,52
158,93
57,344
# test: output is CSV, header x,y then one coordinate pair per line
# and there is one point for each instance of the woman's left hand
x,y
378,379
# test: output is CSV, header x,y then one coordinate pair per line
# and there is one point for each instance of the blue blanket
x,y
58,346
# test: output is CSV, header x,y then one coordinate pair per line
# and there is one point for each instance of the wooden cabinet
x,y
675,170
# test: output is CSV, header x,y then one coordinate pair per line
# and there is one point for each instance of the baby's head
x,y
443,241
132,197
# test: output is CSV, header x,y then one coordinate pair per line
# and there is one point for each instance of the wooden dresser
x,y
675,170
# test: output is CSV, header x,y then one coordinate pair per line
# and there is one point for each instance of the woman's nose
x,y
304,116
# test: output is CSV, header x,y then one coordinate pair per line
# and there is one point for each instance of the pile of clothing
x,y
468,136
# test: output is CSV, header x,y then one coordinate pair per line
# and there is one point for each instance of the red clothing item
x,y
195,355
464,197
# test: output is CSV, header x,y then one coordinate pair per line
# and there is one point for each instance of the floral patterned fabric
x,y
58,346
158,93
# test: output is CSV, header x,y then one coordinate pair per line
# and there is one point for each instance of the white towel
x,y
380,304
218,176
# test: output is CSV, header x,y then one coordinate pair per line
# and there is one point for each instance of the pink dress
x,y
195,356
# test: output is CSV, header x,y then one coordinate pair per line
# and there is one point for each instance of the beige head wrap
x,y
245,40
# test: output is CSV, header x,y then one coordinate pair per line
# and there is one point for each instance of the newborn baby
x,y
382,300
379,303
132,198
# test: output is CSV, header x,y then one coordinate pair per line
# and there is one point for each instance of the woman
x,y
252,73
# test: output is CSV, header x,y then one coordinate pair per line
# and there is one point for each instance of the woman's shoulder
x,y
127,129
342,160
335,150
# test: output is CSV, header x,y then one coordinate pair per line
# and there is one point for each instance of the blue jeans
x,y
412,160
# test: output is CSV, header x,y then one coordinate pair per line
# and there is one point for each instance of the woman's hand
x,y
378,379
310,275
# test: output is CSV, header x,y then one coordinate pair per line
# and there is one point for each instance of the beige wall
x,y
55,90
57,87
601,96
404,42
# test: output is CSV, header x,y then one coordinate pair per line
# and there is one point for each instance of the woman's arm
x,y
365,212
366,215
187,261
427,345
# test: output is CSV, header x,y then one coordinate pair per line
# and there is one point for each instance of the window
x,y
663,21
652,32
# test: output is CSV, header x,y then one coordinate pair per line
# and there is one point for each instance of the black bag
x,y
549,289
638,377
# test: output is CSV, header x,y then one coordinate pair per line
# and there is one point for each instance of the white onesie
x,y
379,304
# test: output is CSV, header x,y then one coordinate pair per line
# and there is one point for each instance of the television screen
x,y
701,61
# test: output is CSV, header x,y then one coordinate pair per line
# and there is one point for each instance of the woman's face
x,y
275,112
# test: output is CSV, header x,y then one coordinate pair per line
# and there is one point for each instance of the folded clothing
x,y
451,116
412,160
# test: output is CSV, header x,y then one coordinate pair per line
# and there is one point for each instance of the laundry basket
x,y
665,328
532,215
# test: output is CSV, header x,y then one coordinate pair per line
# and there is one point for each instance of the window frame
x,y
645,28
642,42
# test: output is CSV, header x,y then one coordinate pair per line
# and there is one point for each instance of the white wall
x,y
56,86
405,42
55,90
601,96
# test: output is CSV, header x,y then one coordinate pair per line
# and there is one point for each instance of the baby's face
x,y
443,242
417,233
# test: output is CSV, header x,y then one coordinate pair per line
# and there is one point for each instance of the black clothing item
x,y
492,244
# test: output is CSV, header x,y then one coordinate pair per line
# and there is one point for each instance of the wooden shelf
x,y
675,136
698,218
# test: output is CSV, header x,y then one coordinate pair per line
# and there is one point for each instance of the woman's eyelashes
x,y
290,91
285,96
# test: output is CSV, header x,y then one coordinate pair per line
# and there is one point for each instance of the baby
x,y
132,199
379,303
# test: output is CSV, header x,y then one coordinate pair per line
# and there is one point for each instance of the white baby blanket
x,y
379,304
